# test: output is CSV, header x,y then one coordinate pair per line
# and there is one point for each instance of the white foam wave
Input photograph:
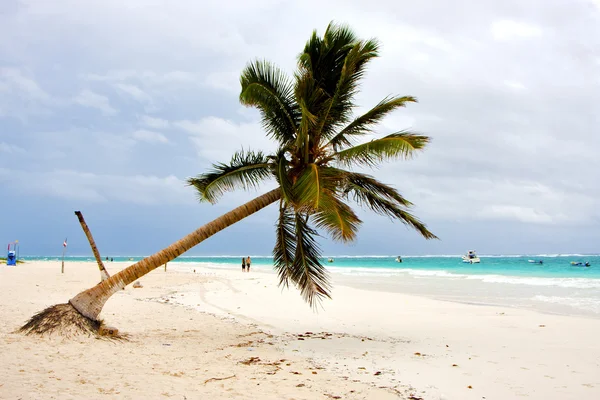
x,y
387,272
583,303
361,271
440,273
579,283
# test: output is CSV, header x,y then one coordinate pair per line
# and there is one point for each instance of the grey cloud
x,y
87,98
216,139
149,136
153,122
88,186
508,91
134,91
21,95
11,148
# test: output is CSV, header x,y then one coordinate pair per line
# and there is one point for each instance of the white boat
x,y
471,257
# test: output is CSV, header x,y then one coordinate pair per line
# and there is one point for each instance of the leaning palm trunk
x,y
80,315
103,272
90,302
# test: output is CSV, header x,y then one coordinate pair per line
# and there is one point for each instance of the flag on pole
x,y
65,243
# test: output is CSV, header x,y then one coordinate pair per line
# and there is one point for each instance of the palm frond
x,y
316,192
314,184
307,272
383,200
267,88
364,124
388,208
281,172
307,96
245,170
285,245
324,57
362,186
341,105
337,218
396,145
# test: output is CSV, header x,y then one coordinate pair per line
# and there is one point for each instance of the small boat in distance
x,y
330,260
398,259
471,257
536,261
580,264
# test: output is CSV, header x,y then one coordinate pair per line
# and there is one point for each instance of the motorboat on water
x,y
535,261
330,260
581,264
398,259
471,257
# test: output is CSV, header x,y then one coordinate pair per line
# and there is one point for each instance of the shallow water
x,y
555,286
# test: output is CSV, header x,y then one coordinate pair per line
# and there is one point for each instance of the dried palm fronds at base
x,y
64,320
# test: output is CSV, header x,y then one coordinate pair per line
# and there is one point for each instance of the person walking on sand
x,y
243,264
248,261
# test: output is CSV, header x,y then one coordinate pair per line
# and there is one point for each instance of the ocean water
x,y
556,286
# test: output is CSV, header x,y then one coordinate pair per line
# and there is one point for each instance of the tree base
x,y
64,320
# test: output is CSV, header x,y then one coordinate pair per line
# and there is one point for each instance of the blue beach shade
x,y
11,259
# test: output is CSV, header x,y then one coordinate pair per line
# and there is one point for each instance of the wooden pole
x,y
62,268
103,272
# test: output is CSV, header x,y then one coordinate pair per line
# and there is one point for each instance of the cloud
x,y
521,214
11,148
87,98
514,85
508,95
93,187
507,30
14,78
152,122
149,136
21,96
216,139
145,77
135,92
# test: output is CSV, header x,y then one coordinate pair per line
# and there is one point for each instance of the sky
x,y
108,106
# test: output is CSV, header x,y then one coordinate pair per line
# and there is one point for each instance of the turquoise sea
x,y
555,286
554,265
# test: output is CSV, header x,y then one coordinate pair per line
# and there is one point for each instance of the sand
x,y
225,334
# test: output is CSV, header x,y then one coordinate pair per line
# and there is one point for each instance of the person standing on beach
x,y
248,261
243,264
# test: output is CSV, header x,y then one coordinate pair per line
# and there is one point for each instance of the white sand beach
x,y
228,334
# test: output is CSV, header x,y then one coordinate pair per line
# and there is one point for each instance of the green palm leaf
x,y
340,107
311,101
281,171
316,192
396,145
267,88
337,218
307,272
246,170
383,200
324,57
388,208
314,184
364,124
361,186
285,245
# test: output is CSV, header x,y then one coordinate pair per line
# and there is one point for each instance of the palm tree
x,y
311,119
